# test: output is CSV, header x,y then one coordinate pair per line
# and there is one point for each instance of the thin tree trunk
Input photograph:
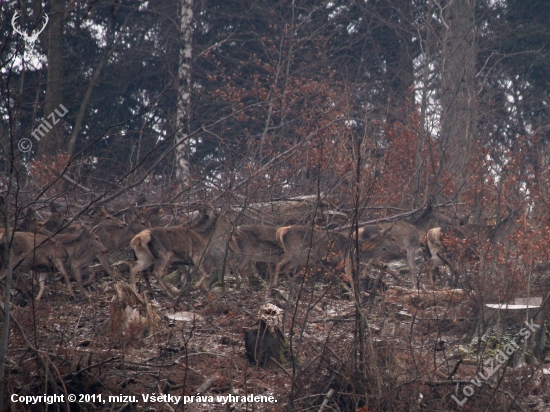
x,y
184,91
52,142
7,257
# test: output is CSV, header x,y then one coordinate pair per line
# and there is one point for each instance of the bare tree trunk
x,y
7,257
184,91
419,160
458,97
52,142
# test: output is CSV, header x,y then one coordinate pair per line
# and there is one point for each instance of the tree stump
x,y
266,346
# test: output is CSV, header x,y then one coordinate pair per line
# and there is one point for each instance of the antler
x,y
16,15
35,33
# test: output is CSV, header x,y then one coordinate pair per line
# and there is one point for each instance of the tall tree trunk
x,y
420,162
458,97
52,142
184,91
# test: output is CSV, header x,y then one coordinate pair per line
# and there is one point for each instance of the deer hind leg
x,y
78,276
280,264
431,272
412,268
160,265
59,266
42,285
104,260
202,280
144,262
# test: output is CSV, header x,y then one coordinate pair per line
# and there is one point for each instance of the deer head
x,y
29,39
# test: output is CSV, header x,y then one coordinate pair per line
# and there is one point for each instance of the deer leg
x,y
91,279
160,265
42,285
78,276
104,260
452,268
412,267
279,263
59,266
202,279
275,277
148,281
144,262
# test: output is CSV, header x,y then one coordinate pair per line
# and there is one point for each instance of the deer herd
x,y
212,240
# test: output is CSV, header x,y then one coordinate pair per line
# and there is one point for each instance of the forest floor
x,y
414,349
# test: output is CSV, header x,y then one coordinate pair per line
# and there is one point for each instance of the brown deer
x,y
59,223
82,249
63,251
302,245
39,253
113,233
255,243
406,237
440,244
163,246
205,243
118,234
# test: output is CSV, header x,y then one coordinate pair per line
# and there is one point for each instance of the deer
x,y
58,222
437,243
118,234
205,243
68,250
113,233
303,245
406,237
37,252
162,246
82,249
255,243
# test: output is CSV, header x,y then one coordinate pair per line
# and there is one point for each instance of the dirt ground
x,y
61,346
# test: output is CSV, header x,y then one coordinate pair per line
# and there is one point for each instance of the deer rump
x,y
303,246
164,246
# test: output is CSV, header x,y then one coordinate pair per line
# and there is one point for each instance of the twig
x,y
455,369
281,366
327,398
207,384
449,382
95,365
71,181
124,407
